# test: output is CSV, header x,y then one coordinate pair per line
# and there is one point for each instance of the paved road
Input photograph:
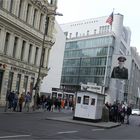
x,y
34,126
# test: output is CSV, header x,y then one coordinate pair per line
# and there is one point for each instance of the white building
x,y
52,80
22,26
92,48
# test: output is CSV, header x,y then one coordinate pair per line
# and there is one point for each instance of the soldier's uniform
x,y
120,73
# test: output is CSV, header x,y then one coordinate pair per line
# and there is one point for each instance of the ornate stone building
x,y
22,26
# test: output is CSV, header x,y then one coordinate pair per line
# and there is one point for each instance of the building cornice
x,y
44,6
90,37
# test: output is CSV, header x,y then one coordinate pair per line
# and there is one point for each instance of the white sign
x,y
91,87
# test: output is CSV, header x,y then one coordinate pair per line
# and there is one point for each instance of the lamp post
x,y
37,85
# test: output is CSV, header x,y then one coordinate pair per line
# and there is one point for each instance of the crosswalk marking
x,y
97,129
67,132
14,136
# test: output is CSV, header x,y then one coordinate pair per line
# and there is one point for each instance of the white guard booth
x,y
89,103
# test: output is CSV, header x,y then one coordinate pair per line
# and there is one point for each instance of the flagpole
x,y
113,18
108,50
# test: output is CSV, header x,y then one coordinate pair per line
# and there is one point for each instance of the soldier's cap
x,y
121,59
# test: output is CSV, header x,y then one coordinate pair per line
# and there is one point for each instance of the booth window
x,y
79,100
86,100
92,101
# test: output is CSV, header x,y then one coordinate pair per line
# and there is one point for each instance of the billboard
x,y
121,65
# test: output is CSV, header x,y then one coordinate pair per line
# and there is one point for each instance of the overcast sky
x,y
74,10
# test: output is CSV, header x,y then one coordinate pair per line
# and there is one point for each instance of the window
x,y
66,34
50,1
28,13
1,3
43,57
20,7
34,17
25,84
47,26
15,47
36,55
32,85
76,34
11,6
95,31
79,100
1,78
22,50
6,43
92,101
18,82
10,80
70,35
30,52
87,32
41,21
86,100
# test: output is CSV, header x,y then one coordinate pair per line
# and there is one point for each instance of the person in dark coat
x,y
114,112
128,113
11,97
120,71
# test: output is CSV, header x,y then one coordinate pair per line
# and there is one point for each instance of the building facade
x,y
52,80
22,26
91,49
132,92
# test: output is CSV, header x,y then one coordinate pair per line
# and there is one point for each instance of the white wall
x,y
55,62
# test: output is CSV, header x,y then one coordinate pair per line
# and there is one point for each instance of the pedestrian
x,y
128,113
7,100
59,104
122,114
21,100
15,102
27,101
11,97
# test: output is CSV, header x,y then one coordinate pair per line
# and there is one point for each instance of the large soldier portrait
x,y
120,71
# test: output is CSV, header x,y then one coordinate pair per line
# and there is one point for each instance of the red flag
x,y
110,19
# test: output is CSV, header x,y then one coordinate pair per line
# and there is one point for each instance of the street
x,y
32,126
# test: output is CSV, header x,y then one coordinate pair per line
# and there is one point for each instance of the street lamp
x,y
37,85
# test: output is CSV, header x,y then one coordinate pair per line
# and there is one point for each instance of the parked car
x,y
135,111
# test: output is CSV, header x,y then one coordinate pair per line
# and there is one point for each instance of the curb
x,y
100,125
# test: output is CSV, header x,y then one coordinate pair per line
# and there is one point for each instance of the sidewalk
x,y
66,116
69,119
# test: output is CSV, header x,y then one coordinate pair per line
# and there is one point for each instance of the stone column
x,y
14,81
21,84
16,7
6,4
24,10
4,85
26,52
28,84
38,57
2,39
19,46
45,63
33,54
31,15
10,45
